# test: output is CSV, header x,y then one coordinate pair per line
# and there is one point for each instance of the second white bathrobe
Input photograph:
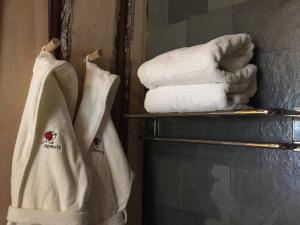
x,y
103,152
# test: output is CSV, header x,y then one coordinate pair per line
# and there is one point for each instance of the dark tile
x,y
187,152
181,10
184,127
204,28
207,190
174,151
281,161
278,79
221,191
277,130
286,213
163,215
197,200
218,154
194,219
256,195
234,129
229,156
238,157
160,150
209,221
157,13
274,25
247,158
163,183
166,38
198,173
217,4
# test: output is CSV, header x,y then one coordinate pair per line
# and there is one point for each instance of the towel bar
x,y
282,146
294,145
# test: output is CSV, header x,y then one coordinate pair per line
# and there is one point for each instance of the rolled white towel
x,y
223,59
197,98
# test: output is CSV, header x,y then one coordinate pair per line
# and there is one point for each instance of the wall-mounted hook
x,y
95,55
52,45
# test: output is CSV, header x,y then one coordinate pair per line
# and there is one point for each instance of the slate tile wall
x,y
199,32
158,12
188,184
180,10
166,38
218,4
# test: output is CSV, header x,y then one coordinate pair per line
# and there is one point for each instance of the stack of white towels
x,y
208,77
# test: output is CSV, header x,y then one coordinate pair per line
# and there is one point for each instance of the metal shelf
x,y
243,112
272,112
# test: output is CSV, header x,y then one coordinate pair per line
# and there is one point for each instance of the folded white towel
x,y
197,98
223,59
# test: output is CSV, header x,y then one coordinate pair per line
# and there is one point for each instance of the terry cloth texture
x,y
49,182
103,152
223,59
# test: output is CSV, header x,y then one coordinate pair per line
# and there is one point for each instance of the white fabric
x,y
49,183
197,98
223,59
112,177
29,216
117,219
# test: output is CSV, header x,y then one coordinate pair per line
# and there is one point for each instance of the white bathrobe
x,y
105,158
49,183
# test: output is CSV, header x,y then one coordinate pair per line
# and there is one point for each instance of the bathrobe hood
x,y
49,183
103,152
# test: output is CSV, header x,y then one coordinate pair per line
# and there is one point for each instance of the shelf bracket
x,y
296,129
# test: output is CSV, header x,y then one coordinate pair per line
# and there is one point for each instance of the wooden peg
x,y
95,55
52,45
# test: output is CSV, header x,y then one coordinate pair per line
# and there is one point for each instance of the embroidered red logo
x,y
96,141
97,145
49,136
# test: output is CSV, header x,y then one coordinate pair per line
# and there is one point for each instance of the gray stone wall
x,y
188,184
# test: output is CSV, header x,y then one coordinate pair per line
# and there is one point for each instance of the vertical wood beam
x,y
136,104
122,66
60,17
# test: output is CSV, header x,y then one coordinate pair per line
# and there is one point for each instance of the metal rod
x,y
285,146
155,127
244,112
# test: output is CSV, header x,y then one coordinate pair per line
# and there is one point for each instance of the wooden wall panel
x,y
24,28
93,27
23,31
136,104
